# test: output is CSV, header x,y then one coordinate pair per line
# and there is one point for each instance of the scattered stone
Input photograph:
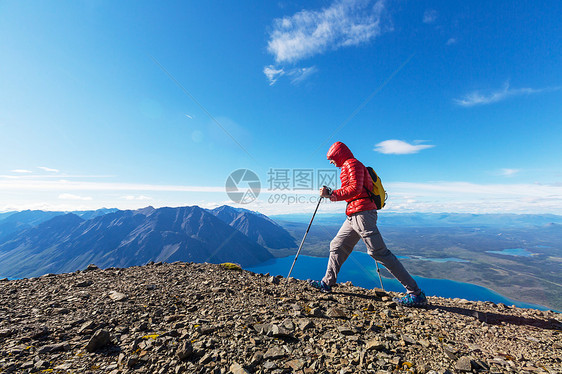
x,y
203,318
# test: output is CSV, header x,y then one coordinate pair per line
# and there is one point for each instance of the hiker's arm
x,y
354,183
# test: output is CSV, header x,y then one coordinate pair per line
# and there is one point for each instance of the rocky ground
x,y
204,318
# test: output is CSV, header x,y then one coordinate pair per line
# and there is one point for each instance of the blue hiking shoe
x,y
319,285
411,300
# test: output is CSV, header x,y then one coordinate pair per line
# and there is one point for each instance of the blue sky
x,y
457,105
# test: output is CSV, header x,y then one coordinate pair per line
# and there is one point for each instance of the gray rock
x,y
117,296
185,350
270,329
50,348
305,324
207,357
450,352
4,333
85,283
100,339
257,358
274,353
375,344
86,327
464,364
91,267
296,364
345,330
236,368
409,340
336,313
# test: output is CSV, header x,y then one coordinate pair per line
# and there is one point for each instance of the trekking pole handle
x,y
329,189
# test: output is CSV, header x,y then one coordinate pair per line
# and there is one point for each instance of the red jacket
x,y
354,180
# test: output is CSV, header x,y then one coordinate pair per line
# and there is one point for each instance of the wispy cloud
x,y
310,32
296,75
273,74
399,147
300,74
344,23
509,172
479,98
429,16
22,171
68,196
49,170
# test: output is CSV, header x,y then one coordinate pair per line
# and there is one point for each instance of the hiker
x,y
360,223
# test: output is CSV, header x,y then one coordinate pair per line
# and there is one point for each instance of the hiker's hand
x,y
325,192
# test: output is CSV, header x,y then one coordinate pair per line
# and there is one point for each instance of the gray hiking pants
x,y
363,225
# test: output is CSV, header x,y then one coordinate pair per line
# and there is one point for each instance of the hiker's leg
x,y
366,224
340,249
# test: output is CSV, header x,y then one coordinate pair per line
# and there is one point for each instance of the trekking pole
x,y
379,272
305,234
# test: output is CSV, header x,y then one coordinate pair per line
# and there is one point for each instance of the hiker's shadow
x,y
493,318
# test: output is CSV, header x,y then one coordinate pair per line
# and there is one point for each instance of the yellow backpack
x,y
378,195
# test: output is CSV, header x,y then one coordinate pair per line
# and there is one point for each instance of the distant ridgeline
x,y
33,243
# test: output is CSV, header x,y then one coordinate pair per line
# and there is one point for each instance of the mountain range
x,y
34,243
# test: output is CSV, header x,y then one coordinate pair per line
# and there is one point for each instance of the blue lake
x,y
513,252
360,269
446,259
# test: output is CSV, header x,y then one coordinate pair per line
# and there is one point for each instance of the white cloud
x,y
451,41
509,172
479,98
399,147
57,185
21,171
49,170
466,197
68,196
273,74
307,33
133,197
429,16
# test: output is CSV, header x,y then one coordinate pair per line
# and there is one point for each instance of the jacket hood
x,y
339,153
